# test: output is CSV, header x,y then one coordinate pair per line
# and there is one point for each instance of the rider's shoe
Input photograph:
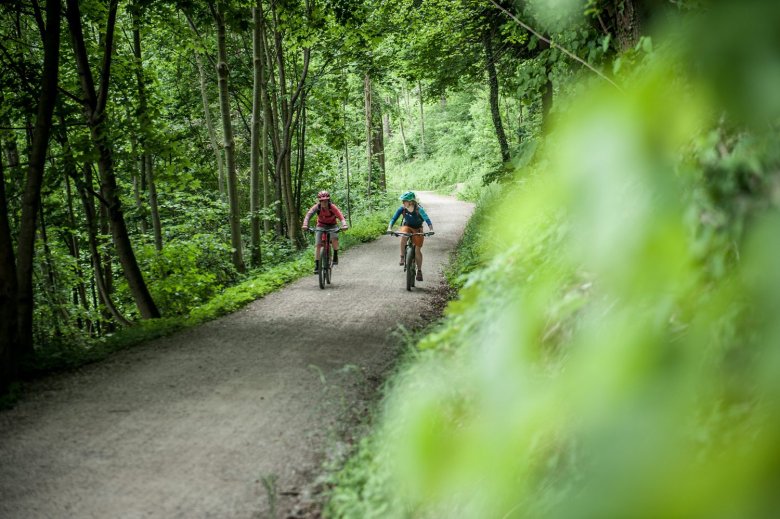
x,y
317,267
335,257
419,275
401,262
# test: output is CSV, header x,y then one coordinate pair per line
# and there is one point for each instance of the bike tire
x,y
323,269
328,273
410,268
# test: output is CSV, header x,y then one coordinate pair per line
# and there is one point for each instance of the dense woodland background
x,y
613,333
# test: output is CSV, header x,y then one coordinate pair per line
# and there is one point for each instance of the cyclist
x,y
327,214
413,217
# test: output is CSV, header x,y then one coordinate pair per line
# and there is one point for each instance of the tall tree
x,y
146,124
95,113
257,133
422,118
490,66
204,95
290,106
16,295
229,142
368,102
8,291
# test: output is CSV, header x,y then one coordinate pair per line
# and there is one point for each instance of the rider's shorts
x,y
417,240
321,228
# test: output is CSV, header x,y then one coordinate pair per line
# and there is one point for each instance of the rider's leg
x,y
317,252
418,256
335,244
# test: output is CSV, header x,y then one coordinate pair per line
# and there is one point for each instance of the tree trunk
x,y
95,103
547,91
272,115
32,195
153,206
627,24
100,277
74,248
288,110
388,131
401,126
422,119
146,127
51,286
139,186
379,153
369,137
255,158
487,41
229,143
346,155
265,170
301,162
8,291
207,111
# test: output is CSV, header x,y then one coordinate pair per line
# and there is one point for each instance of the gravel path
x,y
199,423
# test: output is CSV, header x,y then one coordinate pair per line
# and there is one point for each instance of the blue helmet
x,y
408,197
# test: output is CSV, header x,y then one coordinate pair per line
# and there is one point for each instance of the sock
x,y
335,255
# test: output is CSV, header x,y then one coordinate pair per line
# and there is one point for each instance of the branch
x,y
74,97
102,96
553,44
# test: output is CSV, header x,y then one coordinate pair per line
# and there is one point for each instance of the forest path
x,y
192,425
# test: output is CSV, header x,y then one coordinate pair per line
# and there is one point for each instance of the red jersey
x,y
327,215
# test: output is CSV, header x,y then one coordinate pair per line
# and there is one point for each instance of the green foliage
x,y
185,274
614,352
190,274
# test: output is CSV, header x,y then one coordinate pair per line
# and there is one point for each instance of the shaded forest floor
x,y
232,418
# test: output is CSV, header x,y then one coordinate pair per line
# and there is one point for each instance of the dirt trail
x,y
192,425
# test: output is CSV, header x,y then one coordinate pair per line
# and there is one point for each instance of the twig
x,y
553,44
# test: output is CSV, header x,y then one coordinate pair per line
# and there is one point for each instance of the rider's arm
x,y
340,216
308,216
425,217
395,217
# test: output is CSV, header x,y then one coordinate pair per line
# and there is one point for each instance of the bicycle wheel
x,y
328,273
410,268
324,261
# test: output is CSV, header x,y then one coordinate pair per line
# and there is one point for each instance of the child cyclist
x,y
327,214
413,217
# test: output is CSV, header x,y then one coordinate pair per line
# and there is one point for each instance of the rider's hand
x,y
389,229
305,228
344,227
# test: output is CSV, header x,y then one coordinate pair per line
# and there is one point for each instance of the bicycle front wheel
x,y
410,268
324,262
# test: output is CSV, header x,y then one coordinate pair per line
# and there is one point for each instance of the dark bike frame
x,y
326,263
410,255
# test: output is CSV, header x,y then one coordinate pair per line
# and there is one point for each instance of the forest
x,y
609,348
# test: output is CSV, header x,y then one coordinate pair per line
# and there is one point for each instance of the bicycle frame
x,y
326,261
410,255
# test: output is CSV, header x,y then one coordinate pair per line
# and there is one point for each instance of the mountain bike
x,y
326,262
410,255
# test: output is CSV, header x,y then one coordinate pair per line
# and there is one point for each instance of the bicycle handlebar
x,y
322,229
398,233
